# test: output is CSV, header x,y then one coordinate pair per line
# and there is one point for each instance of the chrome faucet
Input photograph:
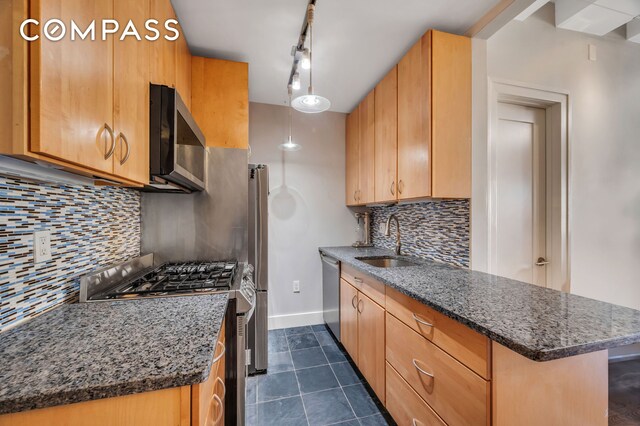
x,y
387,232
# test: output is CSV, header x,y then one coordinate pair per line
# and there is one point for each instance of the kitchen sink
x,y
386,262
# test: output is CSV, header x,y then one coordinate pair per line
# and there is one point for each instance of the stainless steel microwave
x,y
176,144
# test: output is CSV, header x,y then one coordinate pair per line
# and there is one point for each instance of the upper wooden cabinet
x,y
183,69
423,124
72,88
163,52
220,101
434,118
386,138
352,157
360,143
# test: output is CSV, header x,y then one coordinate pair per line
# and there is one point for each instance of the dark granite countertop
x,y
541,324
85,351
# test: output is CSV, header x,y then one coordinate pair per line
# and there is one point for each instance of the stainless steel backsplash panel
x,y
208,225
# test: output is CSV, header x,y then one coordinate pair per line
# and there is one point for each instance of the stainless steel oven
x,y
177,154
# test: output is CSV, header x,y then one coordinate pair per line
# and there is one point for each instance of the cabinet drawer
x,y
365,283
405,405
467,346
456,393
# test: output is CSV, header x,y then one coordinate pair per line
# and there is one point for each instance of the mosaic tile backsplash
x,y
91,227
437,230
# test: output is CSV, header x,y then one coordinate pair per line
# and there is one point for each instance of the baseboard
x,y
295,320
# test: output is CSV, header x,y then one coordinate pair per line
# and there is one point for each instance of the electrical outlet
x,y
41,246
296,286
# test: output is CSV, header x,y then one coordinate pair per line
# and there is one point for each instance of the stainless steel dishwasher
x,y
331,293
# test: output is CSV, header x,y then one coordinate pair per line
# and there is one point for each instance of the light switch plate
x,y
296,286
41,246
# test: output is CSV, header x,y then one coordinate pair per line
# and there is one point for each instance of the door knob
x,y
542,261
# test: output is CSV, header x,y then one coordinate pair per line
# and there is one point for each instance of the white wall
x,y
604,145
306,205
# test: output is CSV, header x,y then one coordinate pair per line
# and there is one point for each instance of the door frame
x,y
557,116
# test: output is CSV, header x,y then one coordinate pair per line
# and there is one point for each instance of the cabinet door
x,y
349,319
183,69
414,121
131,96
451,115
367,150
72,87
163,51
352,161
223,118
371,346
386,137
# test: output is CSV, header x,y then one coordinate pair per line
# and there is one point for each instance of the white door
x,y
520,194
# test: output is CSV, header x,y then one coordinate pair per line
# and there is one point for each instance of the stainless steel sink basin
x,y
386,262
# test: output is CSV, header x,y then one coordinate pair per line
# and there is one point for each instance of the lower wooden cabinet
x,y
455,392
405,405
362,334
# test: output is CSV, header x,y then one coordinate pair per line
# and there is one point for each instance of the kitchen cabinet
x,y
163,51
360,153
183,69
220,101
422,125
349,319
131,96
434,118
352,157
81,106
362,329
386,138
208,398
72,88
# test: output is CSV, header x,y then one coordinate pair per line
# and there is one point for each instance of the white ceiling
x,y
355,41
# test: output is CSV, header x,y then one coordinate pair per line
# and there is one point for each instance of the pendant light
x,y
290,145
310,103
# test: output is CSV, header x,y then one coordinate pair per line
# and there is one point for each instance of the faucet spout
x,y
387,231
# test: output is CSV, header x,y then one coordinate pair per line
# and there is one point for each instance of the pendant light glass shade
x,y
311,103
290,145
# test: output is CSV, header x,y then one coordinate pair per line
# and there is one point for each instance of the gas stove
x,y
141,278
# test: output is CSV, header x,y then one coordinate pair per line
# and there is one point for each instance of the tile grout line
x,y
304,409
339,385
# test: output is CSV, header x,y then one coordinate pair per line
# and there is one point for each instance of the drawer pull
x,y
353,301
219,357
421,321
358,280
224,388
360,307
416,422
415,364
220,411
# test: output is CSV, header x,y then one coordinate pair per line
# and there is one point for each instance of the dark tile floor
x,y
624,393
310,381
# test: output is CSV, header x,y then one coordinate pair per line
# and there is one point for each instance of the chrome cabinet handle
x,y
224,388
219,402
360,307
358,280
542,261
111,150
400,186
416,422
415,364
353,301
219,357
421,321
123,138
355,195
393,188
